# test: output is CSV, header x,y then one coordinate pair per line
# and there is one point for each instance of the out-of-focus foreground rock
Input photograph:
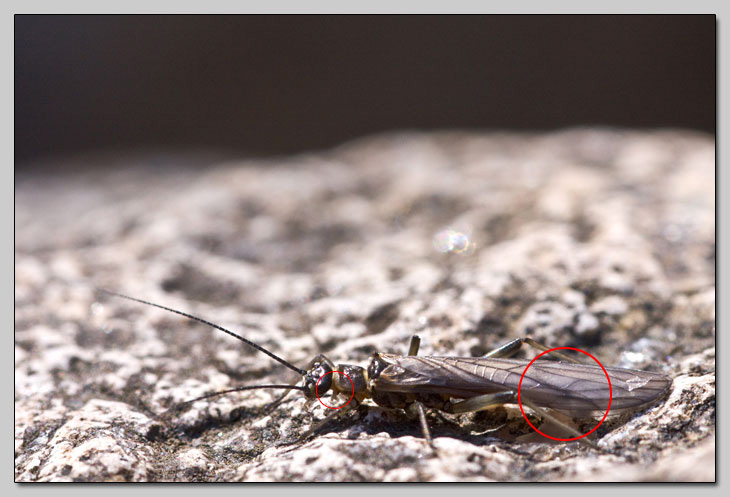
x,y
602,240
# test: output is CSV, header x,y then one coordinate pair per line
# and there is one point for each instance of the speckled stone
x,y
597,239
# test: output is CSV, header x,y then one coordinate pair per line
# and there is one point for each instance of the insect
x,y
463,384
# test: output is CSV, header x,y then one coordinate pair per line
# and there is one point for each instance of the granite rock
x,y
591,238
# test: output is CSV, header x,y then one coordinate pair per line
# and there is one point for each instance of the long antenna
x,y
201,320
237,389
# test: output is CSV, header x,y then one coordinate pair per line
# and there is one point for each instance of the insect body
x,y
466,384
578,390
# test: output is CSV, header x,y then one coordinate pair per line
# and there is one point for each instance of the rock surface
x,y
597,239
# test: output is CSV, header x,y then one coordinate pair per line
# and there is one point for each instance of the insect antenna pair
x,y
319,367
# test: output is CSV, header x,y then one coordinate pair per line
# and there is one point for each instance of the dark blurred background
x,y
263,85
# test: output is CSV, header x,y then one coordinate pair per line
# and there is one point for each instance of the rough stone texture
x,y
597,239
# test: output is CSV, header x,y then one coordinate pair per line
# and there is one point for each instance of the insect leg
x,y
326,420
546,415
418,409
321,358
506,350
486,401
277,402
482,402
512,347
415,344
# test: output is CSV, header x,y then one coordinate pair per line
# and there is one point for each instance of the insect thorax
x,y
398,400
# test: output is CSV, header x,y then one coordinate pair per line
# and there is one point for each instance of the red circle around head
x,y
317,393
610,392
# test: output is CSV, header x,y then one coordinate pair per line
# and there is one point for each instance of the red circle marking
x,y
610,392
317,393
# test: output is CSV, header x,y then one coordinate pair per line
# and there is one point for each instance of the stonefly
x,y
464,384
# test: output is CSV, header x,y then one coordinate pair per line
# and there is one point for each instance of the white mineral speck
x,y
586,323
613,305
